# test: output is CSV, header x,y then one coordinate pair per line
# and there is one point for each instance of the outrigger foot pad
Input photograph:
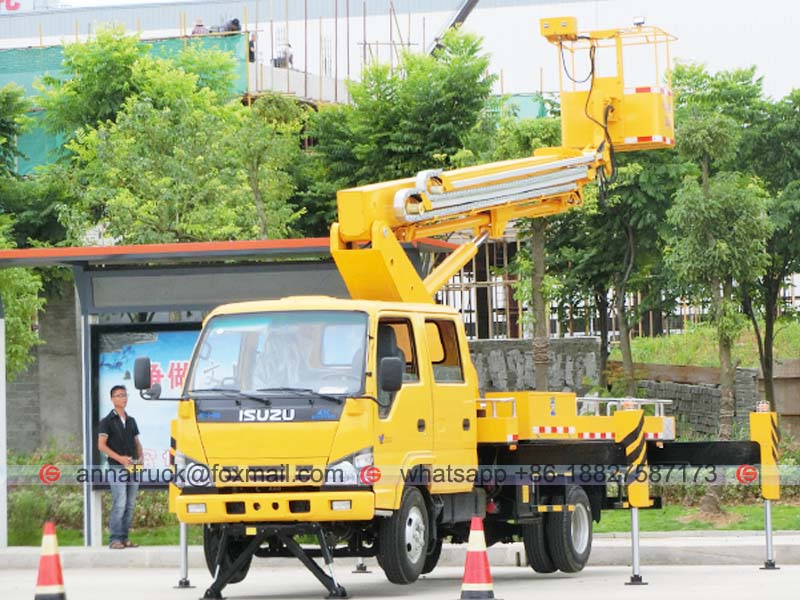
x,y
770,566
339,592
636,580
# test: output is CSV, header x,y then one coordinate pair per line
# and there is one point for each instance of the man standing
x,y
119,439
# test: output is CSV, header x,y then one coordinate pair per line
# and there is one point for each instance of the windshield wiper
x,y
312,394
235,394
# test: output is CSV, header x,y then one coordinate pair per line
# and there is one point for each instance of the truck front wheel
x,y
569,534
212,536
403,539
432,557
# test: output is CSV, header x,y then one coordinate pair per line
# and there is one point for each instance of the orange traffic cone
x,y
50,585
477,583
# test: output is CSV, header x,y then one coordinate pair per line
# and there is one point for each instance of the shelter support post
x,y
3,434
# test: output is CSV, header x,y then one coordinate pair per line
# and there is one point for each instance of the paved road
x,y
510,583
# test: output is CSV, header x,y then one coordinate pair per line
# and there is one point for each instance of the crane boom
x,y
375,219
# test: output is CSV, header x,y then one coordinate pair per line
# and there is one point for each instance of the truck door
x,y
405,428
453,408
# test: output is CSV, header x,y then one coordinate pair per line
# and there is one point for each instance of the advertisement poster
x,y
169,352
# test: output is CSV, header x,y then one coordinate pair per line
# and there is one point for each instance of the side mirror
x,y
141,379
391,373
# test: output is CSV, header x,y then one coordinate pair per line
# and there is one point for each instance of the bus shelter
x,y
170,280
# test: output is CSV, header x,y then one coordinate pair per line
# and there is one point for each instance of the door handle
x,y
421,425
466,424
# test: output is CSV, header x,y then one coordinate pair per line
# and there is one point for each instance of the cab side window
x,y
444,352
396,338
403,341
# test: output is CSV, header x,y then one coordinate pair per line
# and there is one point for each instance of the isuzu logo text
x,y
266,414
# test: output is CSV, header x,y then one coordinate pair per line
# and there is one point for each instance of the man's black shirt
x,y
121,439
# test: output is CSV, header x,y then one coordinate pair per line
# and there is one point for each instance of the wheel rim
x,y
580,527
415,534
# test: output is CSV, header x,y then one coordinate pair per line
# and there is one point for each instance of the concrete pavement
x,y
510,583
674,548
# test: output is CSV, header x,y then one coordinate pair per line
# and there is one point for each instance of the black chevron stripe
x,y
633,435
637,456
631,474
775,431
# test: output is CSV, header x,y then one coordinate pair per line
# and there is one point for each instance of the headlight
x,y
347,471
191,473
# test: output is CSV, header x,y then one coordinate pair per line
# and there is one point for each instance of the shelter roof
x,y
206,252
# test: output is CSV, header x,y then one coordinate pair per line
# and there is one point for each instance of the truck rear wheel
x,y
212,536
403,539
569,534
536,547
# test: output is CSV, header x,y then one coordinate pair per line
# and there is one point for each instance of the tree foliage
x,y
100,75
13,106
405,120
20,290
719,235
98,78
717,245
157,154
191,171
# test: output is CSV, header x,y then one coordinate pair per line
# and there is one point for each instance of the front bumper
x,y
276,507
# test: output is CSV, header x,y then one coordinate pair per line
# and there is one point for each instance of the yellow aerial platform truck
x,y
359,421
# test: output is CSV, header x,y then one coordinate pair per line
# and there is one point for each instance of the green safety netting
x,y
23,66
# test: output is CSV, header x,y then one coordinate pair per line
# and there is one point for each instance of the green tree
x,y
718,243
405,120
13,106
265,144
98,78
578,256
101,74
747,132
772,151
178,165
214,69
20,289
33,202
517,138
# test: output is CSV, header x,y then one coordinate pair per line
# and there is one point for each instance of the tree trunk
x,y
601,301
625,342
727,374
622,315
765,341
541,323
767,355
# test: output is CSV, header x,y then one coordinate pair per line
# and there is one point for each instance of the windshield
x,y
320,351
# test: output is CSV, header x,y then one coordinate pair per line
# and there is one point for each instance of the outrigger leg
x,y
222,578
335,590
769,564
284,534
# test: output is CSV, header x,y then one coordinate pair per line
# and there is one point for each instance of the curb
x,y
607,550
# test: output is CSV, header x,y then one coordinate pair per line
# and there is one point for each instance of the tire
x,y
533,537
569,534
403,539
432,557
212,535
